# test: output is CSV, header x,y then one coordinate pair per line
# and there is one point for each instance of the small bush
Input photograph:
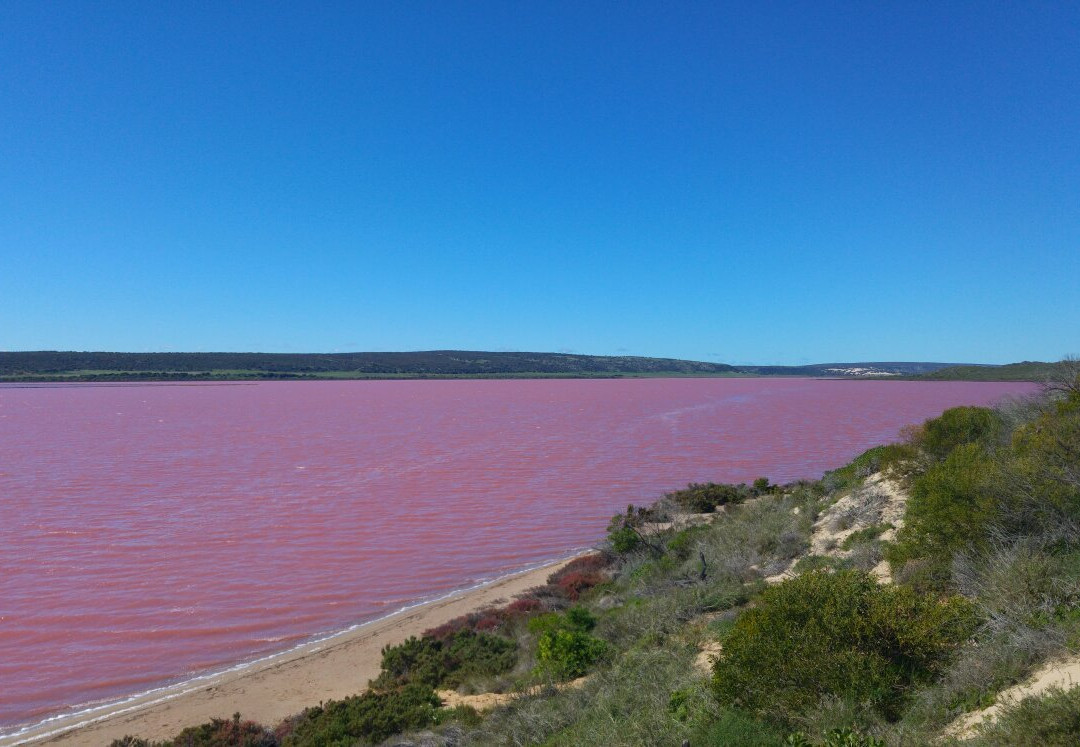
x,y
523,607
624,540
591,563
446,662
761,486
580,575
704,498
489,622
564,648
451,628
573,585
836,634
369,718
566,654
575,618
956,427
836,738
625,531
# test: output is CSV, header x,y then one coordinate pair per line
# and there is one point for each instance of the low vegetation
x,y
52,365
1050,721
98,366
1023,371
718,616
837,635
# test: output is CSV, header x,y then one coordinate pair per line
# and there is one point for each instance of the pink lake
x,y
148,533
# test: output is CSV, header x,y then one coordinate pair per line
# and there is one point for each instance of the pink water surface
x,y
152,532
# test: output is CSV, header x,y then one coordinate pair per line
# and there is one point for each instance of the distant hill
x,y
75,365
850,370
1024,371
44,365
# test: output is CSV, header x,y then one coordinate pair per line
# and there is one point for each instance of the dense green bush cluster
x,y
951,506
704,498
565,654
564,647
368,718
631,531
981,485
958,426
836,634
445,663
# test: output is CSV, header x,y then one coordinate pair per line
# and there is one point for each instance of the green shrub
x,y
956,427
1043,464
886,458
950,508
836,634
576,618
432,662
624,540
681,704
836,738
626,531
369,718
703,498
564,648
579,618
566,654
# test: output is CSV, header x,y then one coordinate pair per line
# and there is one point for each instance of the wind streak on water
x,y
147,533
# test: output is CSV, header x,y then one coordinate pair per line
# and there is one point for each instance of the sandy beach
x,y
280,686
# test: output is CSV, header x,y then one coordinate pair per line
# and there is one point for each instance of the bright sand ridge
x,y
285,684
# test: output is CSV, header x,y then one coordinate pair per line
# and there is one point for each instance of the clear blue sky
x,y
739,182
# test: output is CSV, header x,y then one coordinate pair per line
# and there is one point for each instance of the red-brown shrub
x,y
572,584
450,627
577,576
490,621
594,562
524,606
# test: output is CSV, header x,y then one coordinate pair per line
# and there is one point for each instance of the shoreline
x,y
279,685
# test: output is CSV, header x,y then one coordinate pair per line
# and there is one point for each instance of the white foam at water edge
x,y
156,695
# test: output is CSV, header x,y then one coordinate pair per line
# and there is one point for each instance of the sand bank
x,y
279,686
